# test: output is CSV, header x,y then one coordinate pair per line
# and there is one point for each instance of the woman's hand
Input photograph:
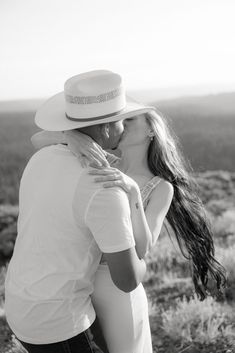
x,y
114,177
85,148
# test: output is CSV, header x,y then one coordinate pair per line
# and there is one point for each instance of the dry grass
x,y
199,322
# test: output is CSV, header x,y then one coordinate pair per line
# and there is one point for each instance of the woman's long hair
x,y
186,214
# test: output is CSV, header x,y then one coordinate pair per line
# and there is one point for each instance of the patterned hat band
x,y
104,97
94,118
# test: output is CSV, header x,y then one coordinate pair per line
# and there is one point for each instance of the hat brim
x,y
51,115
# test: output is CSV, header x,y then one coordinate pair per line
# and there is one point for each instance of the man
x,y
66,221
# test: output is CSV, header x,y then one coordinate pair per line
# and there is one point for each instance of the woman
x,y
150,156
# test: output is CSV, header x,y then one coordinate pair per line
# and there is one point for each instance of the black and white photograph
x,y
117,176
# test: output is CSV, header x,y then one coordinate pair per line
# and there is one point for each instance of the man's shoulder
x,y
92,190
91,199
86,182
53,159
56,152
107,203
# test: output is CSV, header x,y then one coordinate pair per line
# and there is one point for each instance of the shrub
x,y
8,215
14,346
224,227
218,207
8,231
197,321
227,259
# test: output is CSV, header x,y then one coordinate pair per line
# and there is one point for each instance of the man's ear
x,y
104,130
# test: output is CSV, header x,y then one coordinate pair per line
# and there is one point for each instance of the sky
x,y
156,45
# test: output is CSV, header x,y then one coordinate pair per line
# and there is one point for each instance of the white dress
x,y
123,316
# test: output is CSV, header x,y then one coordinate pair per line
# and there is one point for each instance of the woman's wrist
x,y
135,197
135,191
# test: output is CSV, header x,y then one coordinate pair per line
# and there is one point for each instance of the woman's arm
x,y
46,138
83,146
141,230
146,226
114,177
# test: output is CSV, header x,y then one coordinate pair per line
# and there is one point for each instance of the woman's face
x,y
136,131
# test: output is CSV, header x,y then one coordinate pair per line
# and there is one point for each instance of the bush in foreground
x,y
194,321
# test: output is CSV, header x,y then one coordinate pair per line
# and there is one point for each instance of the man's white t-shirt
x,y
66,221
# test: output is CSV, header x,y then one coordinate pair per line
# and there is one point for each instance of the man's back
x,y
49,279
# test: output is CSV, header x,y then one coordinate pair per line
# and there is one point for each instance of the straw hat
x,y
90,98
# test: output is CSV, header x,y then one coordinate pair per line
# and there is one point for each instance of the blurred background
x,y
177,55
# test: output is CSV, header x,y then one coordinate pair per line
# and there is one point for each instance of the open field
x,y
206,129
16,149
179,323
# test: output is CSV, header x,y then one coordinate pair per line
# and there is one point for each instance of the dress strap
x,y
147,189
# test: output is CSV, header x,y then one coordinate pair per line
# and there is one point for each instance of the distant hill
x,y
20,106
206,129
213,103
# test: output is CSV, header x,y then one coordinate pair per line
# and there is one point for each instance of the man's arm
x,y
108,218
126,269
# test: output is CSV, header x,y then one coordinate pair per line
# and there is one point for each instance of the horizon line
x,y
147,90
164,94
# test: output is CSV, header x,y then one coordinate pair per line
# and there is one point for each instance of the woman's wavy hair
x,y
186,214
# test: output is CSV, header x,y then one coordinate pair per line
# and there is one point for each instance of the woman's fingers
x,y
97,154
100,149
83,144
104,171
95,162
107,178
86,161
118,183
96,166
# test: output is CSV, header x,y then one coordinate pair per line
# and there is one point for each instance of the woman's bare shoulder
x,y
163,189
